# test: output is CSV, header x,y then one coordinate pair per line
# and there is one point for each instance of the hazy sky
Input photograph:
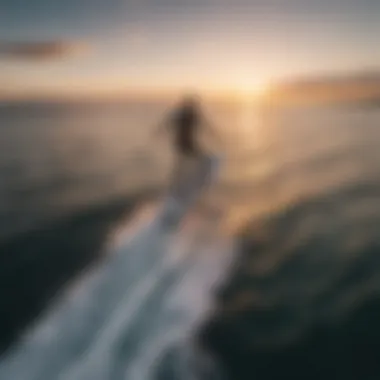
x,y
120,45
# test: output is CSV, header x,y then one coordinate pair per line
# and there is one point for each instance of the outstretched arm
x,y
163,126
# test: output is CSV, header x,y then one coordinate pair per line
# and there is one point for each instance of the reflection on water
x,y
301,154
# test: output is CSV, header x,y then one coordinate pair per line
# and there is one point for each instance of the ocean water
x,y
297,203
57,157
302,300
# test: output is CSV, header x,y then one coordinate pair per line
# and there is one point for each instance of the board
x,y
179,201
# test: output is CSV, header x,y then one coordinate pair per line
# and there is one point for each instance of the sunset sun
x,y
251,89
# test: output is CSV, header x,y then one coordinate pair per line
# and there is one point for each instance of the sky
x,y
106,47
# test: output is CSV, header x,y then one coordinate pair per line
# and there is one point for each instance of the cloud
x,y
42,50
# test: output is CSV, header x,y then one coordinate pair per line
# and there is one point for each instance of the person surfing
x,y
185,123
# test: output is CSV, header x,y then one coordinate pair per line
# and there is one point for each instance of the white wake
x,y
143,302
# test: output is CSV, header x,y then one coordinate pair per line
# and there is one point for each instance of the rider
x,y
185,123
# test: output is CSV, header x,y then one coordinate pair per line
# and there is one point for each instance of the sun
x,y
250,90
